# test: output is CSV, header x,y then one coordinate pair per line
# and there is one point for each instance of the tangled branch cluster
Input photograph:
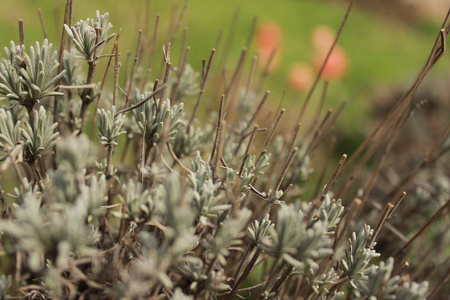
x,y
124,217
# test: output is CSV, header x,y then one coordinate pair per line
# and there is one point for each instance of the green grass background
x,y
381,52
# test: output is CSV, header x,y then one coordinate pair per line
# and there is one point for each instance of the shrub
x,y
122,216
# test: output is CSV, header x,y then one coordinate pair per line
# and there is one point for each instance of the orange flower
x,y
336,66
268,41
300,77
268,36
322,38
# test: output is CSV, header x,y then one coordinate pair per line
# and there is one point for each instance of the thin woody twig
x,y
152,51
325,166
166,52
141,102
76,87
285,169
386,212
133,68
251,33
440,285
403,267
21,33
41,20
319,74
334,176
218,129
431,220
202,88
177,160
397,203
255,128
252,120
220,144
236,73
271,133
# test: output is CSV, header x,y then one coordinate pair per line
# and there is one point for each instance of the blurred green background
x,y
384,49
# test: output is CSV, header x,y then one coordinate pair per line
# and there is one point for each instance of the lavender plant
x,y
164,204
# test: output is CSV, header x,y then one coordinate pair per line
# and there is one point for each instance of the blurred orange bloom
x,y
322,38
337,65
300,77
268,36
268,41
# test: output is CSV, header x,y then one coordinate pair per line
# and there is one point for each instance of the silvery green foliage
x,y
215,281
102,167
145,272
321,284
18,112
109,126
227,235
252,168
277,145
193,269
259,230
232,178
153,115
74,154
5,285
411,291
41,71
300,170
84,35
315,243
189,84
28,227
331,212
92,95
27,78
10,132
154,173
11,87
71,65
285,236
178,295
92,197
40,137
380,285
131,127
138,203
433,186
52,280
294,242
175,220
27,188
173,206
358,256
66,186
261,164
274,197
246,107
56,234
188,142
230,146
205,198
149,270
